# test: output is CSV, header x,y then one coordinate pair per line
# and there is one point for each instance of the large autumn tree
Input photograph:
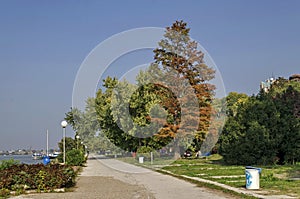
x,y
171,103
188,77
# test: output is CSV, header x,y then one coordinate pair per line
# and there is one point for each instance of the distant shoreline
x,y
26,159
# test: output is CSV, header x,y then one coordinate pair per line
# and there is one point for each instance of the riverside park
x,y
119,99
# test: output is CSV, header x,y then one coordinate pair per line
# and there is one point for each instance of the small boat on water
x,y
53,155
37,156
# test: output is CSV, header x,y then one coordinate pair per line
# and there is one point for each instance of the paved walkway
x,y
112,179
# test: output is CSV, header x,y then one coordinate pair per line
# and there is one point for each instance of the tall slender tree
x,y
181,61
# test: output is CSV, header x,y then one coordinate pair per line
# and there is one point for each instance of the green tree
x,y
123,130
246,138
288,128
265,128
107,121
233,101
70,144
86,125
158,113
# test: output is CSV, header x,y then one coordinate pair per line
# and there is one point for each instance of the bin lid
x,y
257,168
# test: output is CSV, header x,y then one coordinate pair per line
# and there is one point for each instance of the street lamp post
x,y
64,125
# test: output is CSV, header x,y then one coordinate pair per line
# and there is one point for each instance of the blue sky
x,y
43,43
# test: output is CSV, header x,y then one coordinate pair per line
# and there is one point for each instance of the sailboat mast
x,y
47,150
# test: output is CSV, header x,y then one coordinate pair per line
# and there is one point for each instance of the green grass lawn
x,y
274,180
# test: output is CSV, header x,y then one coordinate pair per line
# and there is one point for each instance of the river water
x,y
26,159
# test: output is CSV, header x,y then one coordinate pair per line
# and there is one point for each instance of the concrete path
x,y
110,178
159,185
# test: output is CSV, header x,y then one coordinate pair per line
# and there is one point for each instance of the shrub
x,y
5,164
4,193
75,157
40,177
